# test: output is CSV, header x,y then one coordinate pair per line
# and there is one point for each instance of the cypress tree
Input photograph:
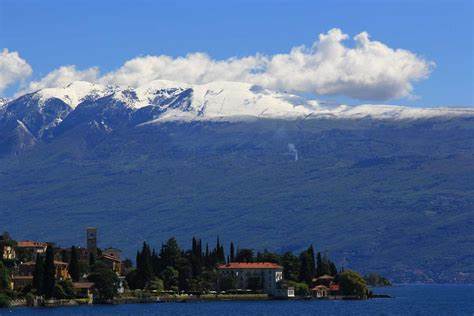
x,y
146,269
91,260
74,265
304,273
332,268
311,263
232,252
38,275
319,265
207,257
49,273
138,260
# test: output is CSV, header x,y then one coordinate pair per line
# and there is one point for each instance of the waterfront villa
x,y
84,290
61,269
8,252
27,249
112,263
265,276
320,291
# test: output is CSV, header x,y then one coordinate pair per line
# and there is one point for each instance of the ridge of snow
x,y
227,100
73,93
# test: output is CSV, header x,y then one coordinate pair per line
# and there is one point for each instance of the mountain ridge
x,y
365,188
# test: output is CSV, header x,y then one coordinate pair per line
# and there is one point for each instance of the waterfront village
x,y
36,273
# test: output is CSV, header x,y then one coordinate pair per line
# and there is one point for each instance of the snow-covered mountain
x,y
54,110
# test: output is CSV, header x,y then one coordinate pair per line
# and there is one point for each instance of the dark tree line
x,y
177,269
44,276
172,268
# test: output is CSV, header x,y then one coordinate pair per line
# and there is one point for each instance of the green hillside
x,y
395,198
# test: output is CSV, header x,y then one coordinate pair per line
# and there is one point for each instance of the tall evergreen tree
x,y
305,270
332,268
312,263
4,277
319,265
146,269
232,252
291,266
74,265
244,255
170,253
49,273
92,260
38,275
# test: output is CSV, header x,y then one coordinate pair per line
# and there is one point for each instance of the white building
x,y
266,275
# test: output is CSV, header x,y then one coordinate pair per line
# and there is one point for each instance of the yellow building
x,y
8,252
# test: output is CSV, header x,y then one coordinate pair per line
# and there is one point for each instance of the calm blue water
x,y
409,300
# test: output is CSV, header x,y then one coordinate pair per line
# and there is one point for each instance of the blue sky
x,y
50,34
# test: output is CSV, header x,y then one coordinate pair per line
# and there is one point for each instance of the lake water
x,y
408,300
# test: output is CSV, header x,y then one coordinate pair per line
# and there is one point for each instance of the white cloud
x,y
369,70
64,75
13,68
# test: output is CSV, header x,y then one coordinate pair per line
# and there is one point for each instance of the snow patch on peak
x,y
227,100
390,112
73,93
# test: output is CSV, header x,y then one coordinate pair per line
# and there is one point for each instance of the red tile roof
x,y
82,285
32,263
109,257
22,277
30,243
250,265
334,287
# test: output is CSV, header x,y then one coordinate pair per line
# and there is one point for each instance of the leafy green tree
x,y
267,256
185,273
74,265
49,273
105,281
170,278
38,275
156,284
4,300
208,280
374,279
67,287
353,284
4,277
133,280
63,290
170,253
301,288
244,255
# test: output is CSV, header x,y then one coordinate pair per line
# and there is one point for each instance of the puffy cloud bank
x,y
63,76
369,70
13,68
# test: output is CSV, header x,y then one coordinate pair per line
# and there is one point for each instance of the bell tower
x,y
91,240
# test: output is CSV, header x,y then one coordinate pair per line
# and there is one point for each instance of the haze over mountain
x,y
265,168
